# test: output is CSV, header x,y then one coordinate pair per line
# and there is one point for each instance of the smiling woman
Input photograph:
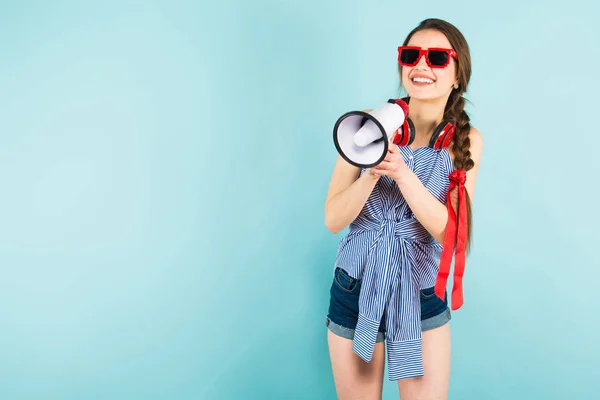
x,y
391,269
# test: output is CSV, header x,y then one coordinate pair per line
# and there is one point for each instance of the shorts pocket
x,y
431,304
344,281
428,293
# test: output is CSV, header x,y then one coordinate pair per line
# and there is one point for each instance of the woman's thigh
x,y
435,317
354,378
436,364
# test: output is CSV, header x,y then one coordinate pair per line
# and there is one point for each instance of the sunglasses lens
x,y
409,56
438,57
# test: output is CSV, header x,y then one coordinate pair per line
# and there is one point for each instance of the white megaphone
x,y
362,138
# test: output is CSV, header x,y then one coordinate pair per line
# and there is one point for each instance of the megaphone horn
x,y
362,138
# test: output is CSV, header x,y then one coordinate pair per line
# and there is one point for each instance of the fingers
x,y
378,171
384,165
372,171
383,168
391,157
393,148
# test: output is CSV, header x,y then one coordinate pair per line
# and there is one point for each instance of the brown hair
x,y
454,111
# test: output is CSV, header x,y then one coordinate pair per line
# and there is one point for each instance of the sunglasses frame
x,y
425,52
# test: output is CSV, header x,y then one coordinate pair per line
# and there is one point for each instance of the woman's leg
x,y
353,377
436,364
435,317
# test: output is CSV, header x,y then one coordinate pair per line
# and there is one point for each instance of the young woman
x,y
388,284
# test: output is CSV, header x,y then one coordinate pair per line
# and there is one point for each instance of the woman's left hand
x,y
393,164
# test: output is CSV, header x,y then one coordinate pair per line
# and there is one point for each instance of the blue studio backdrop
x,y
163,170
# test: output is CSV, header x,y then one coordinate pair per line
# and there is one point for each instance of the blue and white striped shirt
x,y
396,257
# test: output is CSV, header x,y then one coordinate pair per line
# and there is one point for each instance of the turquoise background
x,y
163,170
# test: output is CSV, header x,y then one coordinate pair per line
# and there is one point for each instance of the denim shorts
x,y
343,307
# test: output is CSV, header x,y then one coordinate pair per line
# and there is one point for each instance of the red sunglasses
x,y
409,56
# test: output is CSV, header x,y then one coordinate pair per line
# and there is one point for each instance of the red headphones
x,y
440,138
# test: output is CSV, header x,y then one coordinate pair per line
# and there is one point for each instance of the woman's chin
x,y
419,95
425,94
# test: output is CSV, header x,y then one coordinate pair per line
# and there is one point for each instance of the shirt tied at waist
x,y
390,283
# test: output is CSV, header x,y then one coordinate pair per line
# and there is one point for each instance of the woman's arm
x,y
428,210
347,194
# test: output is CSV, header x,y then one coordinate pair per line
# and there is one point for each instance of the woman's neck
x,y
426,115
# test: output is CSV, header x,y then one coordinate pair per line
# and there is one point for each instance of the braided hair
x,y
461,144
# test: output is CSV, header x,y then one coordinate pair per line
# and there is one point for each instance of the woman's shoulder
x,y
476,138
476,144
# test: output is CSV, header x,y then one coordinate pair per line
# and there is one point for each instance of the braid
x,y
461,143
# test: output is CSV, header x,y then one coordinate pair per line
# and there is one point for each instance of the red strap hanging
x,y
452,239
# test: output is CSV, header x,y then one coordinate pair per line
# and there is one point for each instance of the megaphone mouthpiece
x,y
367,134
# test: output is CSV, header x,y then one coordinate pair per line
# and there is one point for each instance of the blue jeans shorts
x,y
343,307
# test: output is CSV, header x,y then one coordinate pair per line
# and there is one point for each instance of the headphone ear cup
x,y
405,135
442,136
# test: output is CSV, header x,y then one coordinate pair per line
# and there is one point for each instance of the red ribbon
x,y
451,239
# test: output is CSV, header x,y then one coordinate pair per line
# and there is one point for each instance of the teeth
x,y
422,80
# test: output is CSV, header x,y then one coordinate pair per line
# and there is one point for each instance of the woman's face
x,y
431,83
